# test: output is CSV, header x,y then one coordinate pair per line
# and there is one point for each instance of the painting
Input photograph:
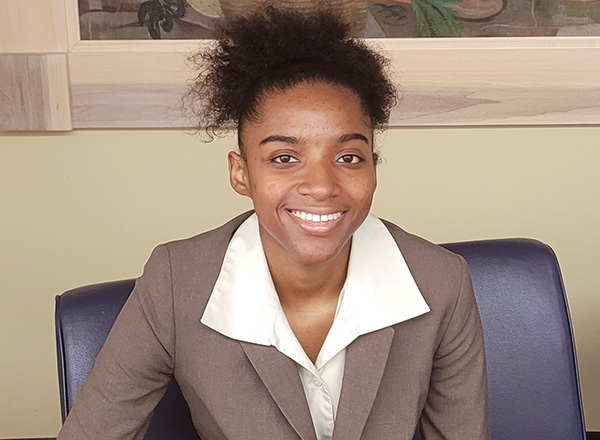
x,y
197,19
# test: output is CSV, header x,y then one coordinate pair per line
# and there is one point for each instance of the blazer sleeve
x,y
135,365
457,403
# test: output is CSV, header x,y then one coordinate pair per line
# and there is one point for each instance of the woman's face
x,y
310,171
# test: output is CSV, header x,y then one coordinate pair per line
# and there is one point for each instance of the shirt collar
x,y
243,304
379,284
379,290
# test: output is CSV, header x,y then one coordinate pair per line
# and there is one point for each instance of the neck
x,y
301,285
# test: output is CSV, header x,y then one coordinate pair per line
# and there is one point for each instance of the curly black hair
x,y
273,49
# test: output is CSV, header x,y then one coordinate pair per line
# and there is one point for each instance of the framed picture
x,y
197,19
519,72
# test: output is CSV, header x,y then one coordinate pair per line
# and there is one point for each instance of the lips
x,y
316,218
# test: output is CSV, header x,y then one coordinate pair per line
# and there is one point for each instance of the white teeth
x,y
316,218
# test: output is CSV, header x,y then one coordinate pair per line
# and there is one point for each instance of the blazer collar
x,y
366,359
280,376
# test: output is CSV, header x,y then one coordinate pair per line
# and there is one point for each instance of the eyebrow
x,y
292,140
279,138
353,136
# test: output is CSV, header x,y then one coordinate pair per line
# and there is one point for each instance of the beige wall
x,y
88,206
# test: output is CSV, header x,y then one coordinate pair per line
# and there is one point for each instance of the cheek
x,y
265,182
269,191
266,191
365,188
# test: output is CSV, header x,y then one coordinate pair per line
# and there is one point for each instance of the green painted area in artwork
x,y
435,18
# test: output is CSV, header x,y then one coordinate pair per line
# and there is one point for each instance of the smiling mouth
x,y
316,218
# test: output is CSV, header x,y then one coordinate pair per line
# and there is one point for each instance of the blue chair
x,y
532,369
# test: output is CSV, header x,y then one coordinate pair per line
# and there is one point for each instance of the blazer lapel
x,y
366,358
280,376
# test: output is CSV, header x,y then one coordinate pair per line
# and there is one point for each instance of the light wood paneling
x,y
443,82
497,81
127,106
34,26
34,93
72,20
129,84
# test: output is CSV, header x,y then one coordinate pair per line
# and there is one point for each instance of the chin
x,y
312,256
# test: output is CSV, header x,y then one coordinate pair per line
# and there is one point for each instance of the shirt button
x,y
317,382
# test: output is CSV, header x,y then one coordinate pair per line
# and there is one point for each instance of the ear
x,y
238,174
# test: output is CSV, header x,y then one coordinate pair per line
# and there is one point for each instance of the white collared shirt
x,y
379,291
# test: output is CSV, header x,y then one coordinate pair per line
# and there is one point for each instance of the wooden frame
x,y
445,82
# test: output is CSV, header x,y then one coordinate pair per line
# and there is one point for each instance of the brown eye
x,y
350,159
285,158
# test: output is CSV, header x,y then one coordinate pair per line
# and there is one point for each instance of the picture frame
x,y
443,81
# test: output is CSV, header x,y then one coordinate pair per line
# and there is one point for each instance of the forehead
x,y
314,108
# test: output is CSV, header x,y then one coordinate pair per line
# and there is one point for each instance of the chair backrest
x,y
532,370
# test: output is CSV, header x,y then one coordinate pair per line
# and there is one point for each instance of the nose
x,y
318,180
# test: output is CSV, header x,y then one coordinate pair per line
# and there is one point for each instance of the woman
x,y
309,318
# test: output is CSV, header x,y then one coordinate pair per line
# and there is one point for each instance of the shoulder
x,y
419,251
207,245
192,265
439,273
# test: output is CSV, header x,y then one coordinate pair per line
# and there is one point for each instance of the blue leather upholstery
x,y
532,370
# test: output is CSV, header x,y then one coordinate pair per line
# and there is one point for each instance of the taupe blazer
x,y
429,370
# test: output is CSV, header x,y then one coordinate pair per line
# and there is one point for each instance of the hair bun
x,y
274,48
